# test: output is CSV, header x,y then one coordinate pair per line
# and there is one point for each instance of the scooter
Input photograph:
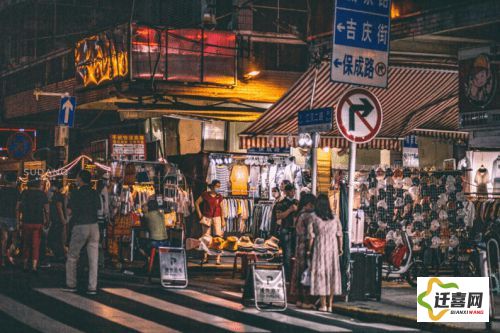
x,y
408,268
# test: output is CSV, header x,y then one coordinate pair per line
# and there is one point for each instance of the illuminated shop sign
x,y
102,58
175,55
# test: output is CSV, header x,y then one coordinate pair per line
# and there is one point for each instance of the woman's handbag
x,y
305,279
205,221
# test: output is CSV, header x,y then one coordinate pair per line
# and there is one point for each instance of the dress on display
x,y
495,175
482,179
325,264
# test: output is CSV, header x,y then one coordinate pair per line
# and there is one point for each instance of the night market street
x,y
256,166
31,303
129,303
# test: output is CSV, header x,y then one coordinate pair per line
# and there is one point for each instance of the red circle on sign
x,y
373,128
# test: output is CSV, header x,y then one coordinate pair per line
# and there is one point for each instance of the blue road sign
x,y
19,145
67,111
361,42
315,120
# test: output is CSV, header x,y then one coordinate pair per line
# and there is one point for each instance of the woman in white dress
x,y
325,248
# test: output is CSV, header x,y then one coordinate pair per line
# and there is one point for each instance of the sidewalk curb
x,y
389,318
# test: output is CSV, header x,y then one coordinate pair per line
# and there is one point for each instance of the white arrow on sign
x,y
67,107
340,27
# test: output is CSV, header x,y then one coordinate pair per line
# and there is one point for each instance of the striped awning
x,y
416,98
444,135
281,141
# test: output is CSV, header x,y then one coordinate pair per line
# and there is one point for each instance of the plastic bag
x,y
305,280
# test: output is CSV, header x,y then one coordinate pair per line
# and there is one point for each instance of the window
x,y
214,136
284,57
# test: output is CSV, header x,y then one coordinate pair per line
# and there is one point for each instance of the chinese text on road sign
x,y
316,120
361,42
67,111
358,115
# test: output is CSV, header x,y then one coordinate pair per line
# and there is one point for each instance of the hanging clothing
x,y
482,179
239,180
273,170
222,175
280,176
264,182
212,172
253,181
293,173
470,214
358,227
495,175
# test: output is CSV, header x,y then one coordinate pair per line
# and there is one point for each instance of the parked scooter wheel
x,y
416,269
466,269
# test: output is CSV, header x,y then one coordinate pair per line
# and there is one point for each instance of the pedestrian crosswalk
x,y
33,318
143,309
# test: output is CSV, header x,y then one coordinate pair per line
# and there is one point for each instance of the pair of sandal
x,y
325,309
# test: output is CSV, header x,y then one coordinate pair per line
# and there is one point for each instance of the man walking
x,y
84,204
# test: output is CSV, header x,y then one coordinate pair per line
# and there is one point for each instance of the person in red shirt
x,y
209,209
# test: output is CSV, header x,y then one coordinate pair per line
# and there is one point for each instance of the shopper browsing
x,y
58,230
286,210
305,217
325,247
84,204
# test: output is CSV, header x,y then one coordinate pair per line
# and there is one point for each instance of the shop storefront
x,y
409,180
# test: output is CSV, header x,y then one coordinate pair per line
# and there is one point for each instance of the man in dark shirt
x,y
84,204
33,210
8,218
58,228
286,210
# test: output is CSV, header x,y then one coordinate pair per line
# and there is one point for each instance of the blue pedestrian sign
x,y
361,42
315,120
67,111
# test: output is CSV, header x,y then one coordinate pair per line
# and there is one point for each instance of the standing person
x,y
305,216
84,205
209,209
8,199
58,230
286,210
325,247
103,213
33,215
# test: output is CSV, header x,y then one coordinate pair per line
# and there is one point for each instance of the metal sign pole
x,y
314,157
352,171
